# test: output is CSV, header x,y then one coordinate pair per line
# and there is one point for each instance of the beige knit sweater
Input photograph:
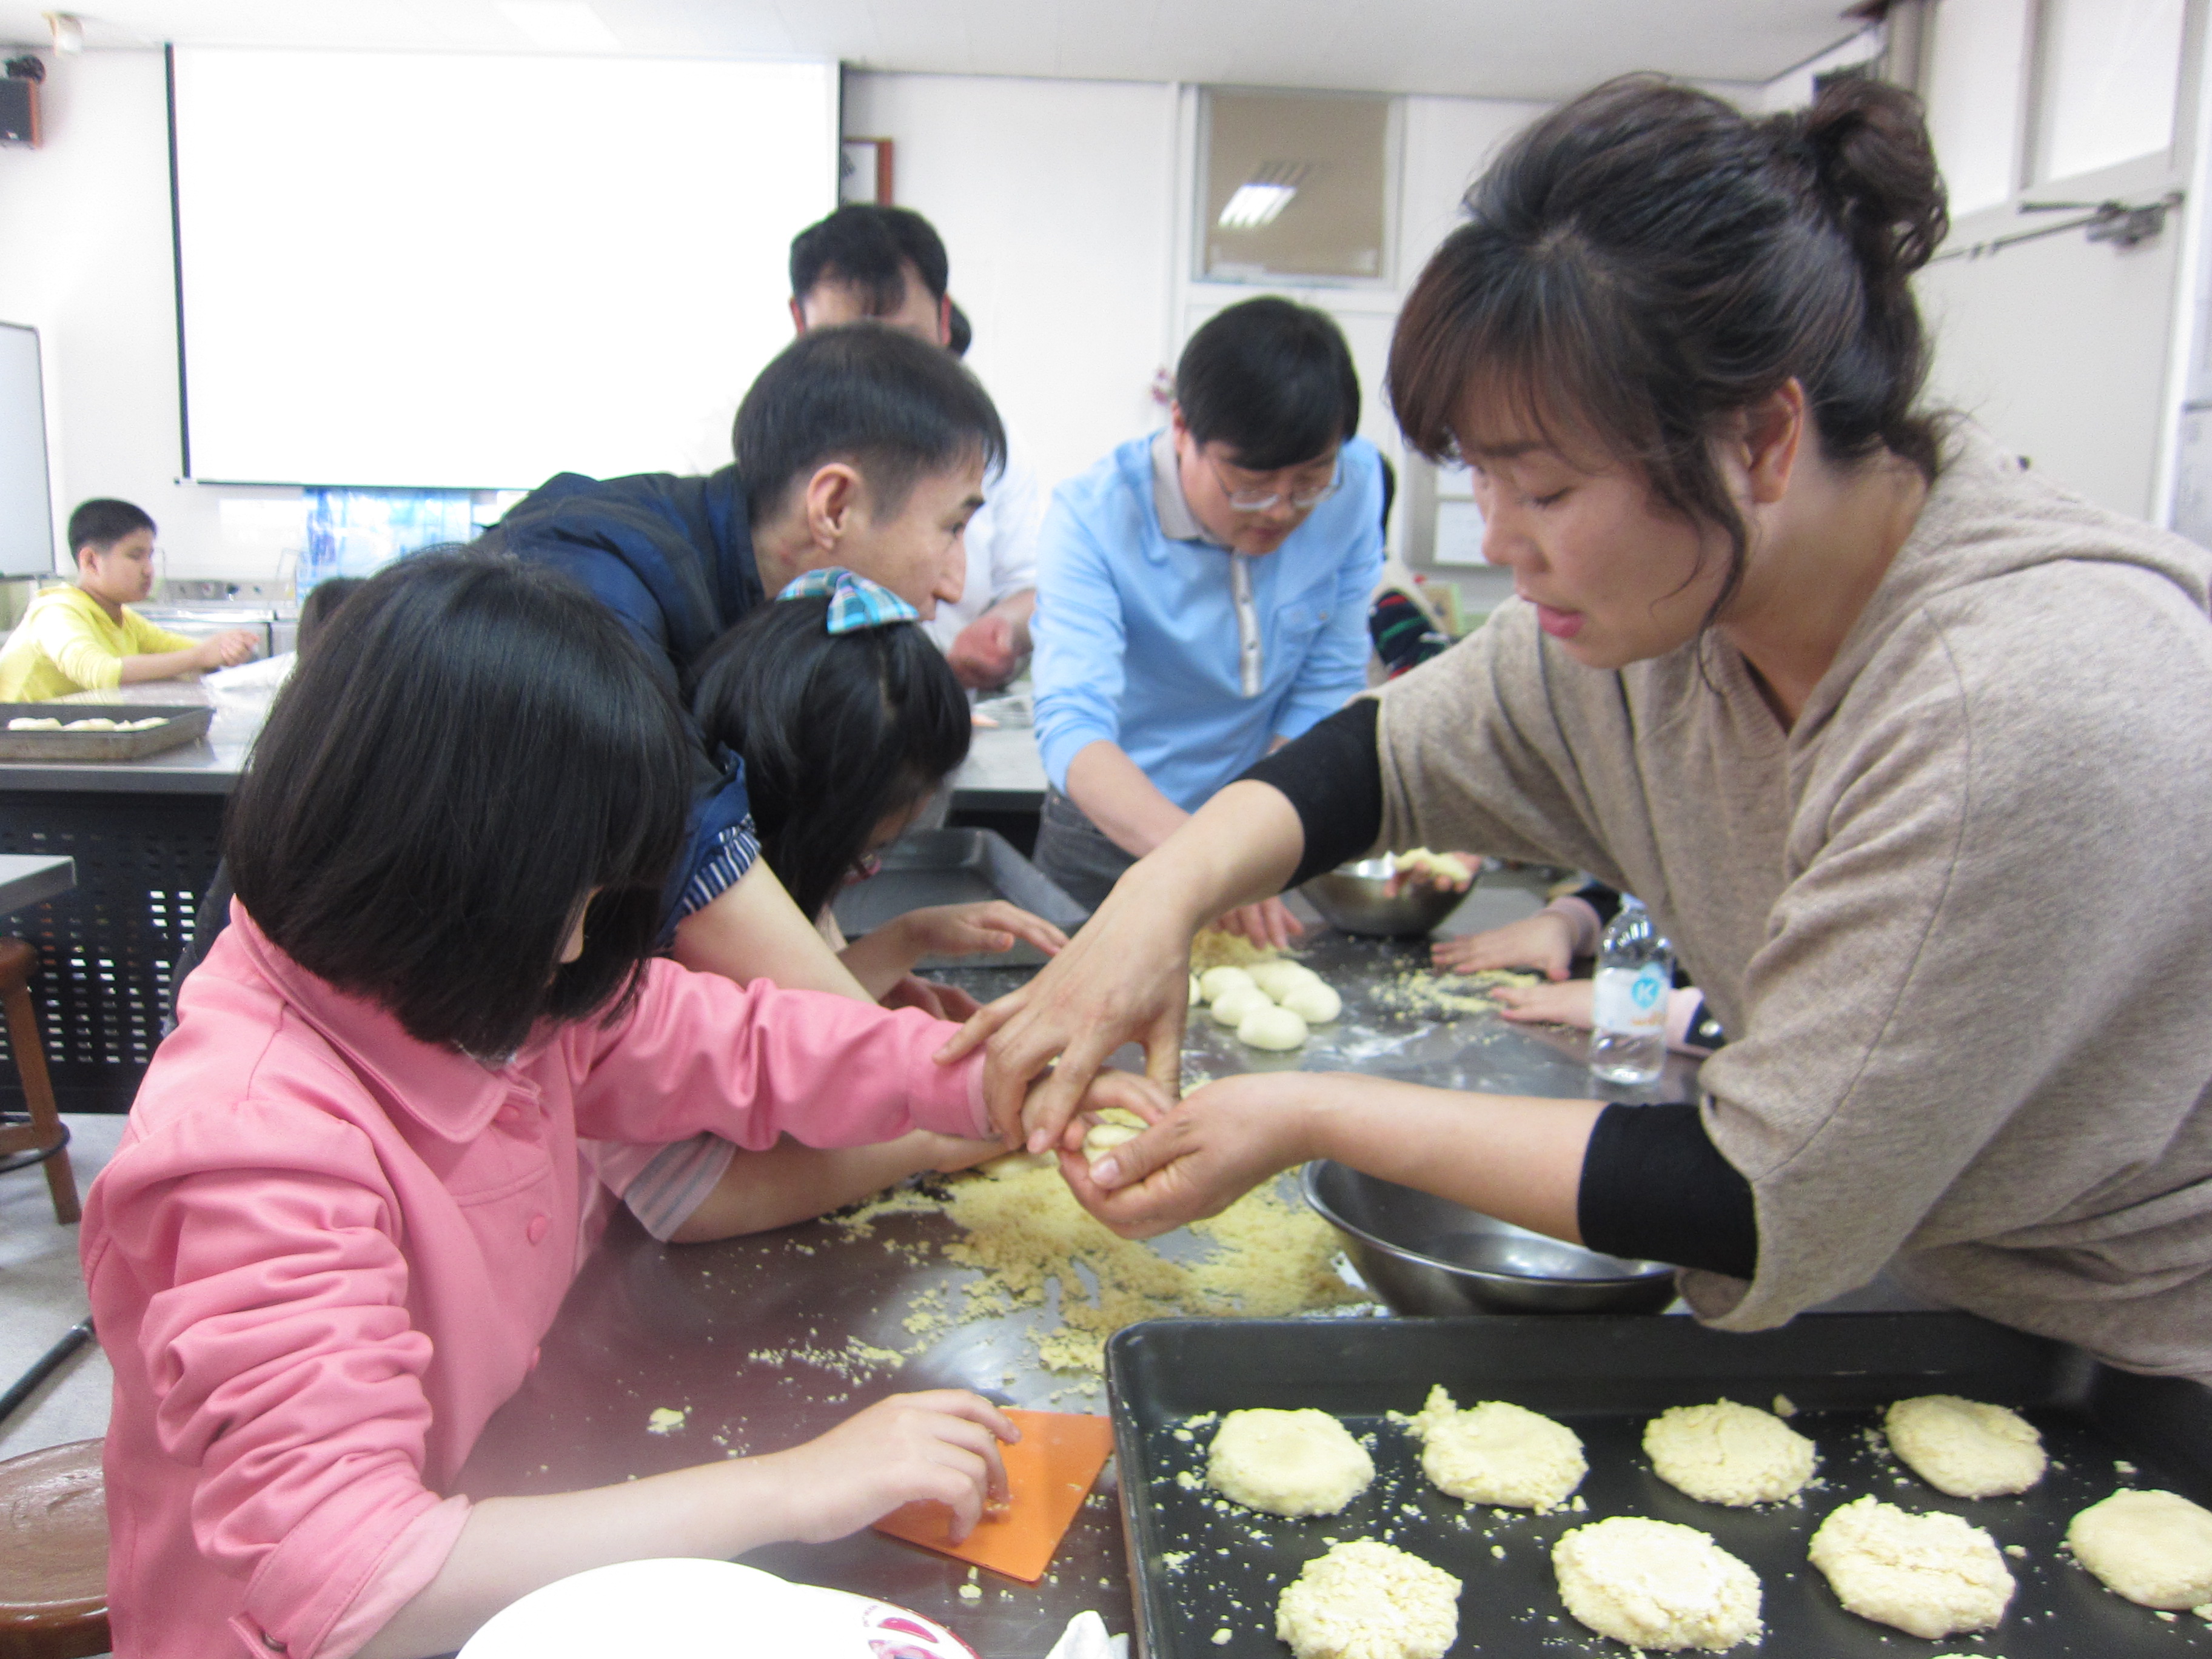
x,y
1958,920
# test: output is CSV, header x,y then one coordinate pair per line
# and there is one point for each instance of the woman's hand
x,y
967,930
941,1447
1570,1004
1198,1159
1545,942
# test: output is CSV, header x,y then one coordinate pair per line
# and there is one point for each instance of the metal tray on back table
x,y
927,867
180,723
1605,1378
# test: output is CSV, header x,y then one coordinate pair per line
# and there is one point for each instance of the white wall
x,y
85,259
1049,195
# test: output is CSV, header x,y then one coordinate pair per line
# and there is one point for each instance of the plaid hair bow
x,y
854,601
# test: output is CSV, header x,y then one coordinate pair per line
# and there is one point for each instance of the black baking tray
x,y
1605,1378
926,867
180,723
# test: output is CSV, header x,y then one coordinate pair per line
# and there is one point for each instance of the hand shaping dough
x,y
2154,1547
1965,1447
1365,1599
1929,1575
1654,1585
1316,1003
1497,1453
1302,1462
1279,977
1230,1007
1270,1027
1727,1454
1104,1137
1214,981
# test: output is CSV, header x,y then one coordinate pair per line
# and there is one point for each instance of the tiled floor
x,y
42,1295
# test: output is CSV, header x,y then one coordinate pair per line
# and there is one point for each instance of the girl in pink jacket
x,y
345,1209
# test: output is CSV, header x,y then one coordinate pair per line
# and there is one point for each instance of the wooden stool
x,y
43,1137
53,1554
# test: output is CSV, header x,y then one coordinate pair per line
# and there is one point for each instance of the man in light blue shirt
x,y
1202,592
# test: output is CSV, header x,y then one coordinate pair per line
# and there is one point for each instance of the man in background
x,y
889,263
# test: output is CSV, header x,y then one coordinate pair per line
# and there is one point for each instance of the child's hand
x,y
1126,1090
1222,1141
1573,1003
1545,941
967,930
938,1002
941,1446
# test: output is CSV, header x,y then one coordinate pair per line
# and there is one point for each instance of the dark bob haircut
x,y
1646,263
838,731
102,522
869,247
442,782
895,407
1271,379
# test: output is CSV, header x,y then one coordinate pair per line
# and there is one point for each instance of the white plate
x,y
708,1608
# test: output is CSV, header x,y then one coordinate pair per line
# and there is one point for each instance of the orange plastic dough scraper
x,y
1049,1473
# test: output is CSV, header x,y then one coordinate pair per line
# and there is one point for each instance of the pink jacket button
x,y
538,1223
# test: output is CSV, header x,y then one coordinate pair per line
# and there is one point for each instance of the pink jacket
x,y
325,1254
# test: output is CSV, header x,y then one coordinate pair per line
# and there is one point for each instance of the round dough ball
x,y
1230,1007
1277,978
1271,1027
1928,1575
1197,991
1365,1600
1316,1003
1215,982
1965,1447
1727,1454
2154,1547
1303,1462
1102,1138
1654,1585
1497,1453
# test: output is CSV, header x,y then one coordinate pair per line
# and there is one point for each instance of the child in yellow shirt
x,y
82,639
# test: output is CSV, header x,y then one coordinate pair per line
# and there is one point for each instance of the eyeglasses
x,y
1251,500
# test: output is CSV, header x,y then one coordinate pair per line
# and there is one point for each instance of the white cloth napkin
x,y
1085,1637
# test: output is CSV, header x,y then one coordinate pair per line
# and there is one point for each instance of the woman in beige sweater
x,y
1902,747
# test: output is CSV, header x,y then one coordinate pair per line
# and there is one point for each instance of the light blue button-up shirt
x,y
1137,629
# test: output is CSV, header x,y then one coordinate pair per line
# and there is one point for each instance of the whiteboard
x,y
473,271
27,514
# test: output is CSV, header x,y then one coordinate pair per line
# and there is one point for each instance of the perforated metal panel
x,y
107,946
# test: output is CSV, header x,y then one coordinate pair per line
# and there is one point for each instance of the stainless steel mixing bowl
x,y
1425,1255
1355,898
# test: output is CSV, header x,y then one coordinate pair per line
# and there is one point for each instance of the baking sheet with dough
x,y
1198,1569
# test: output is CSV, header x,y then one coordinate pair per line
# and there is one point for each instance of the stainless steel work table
x,y
648,1326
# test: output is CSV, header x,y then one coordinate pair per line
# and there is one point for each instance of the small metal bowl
x,y
1355,898
1425,1255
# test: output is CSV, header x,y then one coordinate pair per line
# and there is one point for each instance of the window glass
x,y
1293,184
1977,67
2112,75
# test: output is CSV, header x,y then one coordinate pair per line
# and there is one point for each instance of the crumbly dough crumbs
x,y
666,1419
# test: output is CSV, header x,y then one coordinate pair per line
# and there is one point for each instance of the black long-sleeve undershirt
x,y
1653,1184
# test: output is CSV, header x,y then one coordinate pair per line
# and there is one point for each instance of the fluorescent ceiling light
x,y
561,24
1254,205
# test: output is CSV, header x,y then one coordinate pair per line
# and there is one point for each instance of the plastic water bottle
x,y
1635,973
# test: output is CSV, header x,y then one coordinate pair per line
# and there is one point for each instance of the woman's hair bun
x,y
1867,142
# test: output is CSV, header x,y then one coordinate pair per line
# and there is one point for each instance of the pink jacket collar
x,y
452,1094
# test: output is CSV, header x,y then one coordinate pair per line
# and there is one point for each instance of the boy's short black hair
x,y
103,522
838,731
869,247
441,783
1271,379
897,407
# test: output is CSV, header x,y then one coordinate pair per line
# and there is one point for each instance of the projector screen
x,y
26,519
424,271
